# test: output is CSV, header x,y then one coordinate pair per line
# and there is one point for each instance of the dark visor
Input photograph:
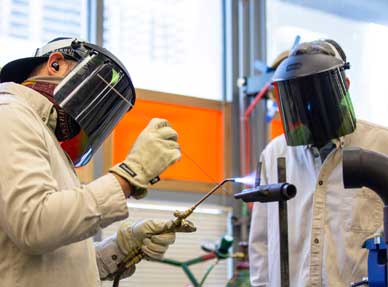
x,y
315,108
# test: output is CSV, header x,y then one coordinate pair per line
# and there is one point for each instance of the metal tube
x,y
367,168
214,189
283,228
268,193
283,233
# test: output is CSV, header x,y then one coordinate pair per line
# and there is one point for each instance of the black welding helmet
x,y
96,93
313,99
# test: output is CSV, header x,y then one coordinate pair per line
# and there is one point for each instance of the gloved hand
x,y
151,236
155,149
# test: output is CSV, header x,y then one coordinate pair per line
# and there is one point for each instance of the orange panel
x,y
200,136
276,127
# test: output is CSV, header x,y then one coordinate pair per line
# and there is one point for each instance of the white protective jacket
x,y
327,223
46,216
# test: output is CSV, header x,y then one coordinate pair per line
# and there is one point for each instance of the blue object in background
x,y
377,262
272,108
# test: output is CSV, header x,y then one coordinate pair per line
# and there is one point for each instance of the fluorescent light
x,y
155,206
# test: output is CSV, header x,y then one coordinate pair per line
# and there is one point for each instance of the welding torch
x,y
179,222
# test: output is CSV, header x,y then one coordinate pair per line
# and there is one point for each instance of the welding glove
x,y
151,236
108,256
155,149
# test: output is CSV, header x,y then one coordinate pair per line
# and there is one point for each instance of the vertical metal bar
x,y
283,228
96,18
258,52
243,61
231,89
244,69
230,94
95,12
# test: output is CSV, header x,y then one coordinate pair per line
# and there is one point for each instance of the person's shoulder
x,y
369,136
370,125
365,128
13,109
16,116
277,146
11,99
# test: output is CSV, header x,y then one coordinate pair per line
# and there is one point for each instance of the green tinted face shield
x,y
314,108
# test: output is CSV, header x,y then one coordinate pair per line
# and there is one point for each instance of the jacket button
x,y
320,182
114,257
316,240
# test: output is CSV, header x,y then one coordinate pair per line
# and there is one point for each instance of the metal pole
x,y
283,229
258,52
244,64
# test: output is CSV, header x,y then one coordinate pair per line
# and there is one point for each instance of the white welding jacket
x,y
327,223
46,215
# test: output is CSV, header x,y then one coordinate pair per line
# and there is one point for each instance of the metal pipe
x,y
214,189
370,169
268,193
283,226
366,168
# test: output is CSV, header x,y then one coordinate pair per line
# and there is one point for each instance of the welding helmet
x,y
313,98
96,93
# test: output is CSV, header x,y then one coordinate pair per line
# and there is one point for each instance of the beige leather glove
x,y
155,149
151,236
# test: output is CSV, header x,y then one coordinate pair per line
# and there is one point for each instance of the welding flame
x,y
247,180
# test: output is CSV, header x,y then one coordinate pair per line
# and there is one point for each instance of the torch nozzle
x,y
214,189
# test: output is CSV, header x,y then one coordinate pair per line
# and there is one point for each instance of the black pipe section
x,y
268,193
366,168
370,169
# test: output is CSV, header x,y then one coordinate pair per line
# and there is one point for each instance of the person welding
x,y
56,109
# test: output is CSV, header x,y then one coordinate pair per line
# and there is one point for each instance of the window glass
x,y
360,27
172,46
28,24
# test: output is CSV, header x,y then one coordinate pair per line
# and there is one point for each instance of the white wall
x,y
365,44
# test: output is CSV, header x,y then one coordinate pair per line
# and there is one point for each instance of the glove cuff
x,y
130,174
126,241
137,178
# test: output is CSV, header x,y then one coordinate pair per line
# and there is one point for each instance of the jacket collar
x,y
42,106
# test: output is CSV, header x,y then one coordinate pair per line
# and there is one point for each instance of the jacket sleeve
x,y
36,215
258,260
108,256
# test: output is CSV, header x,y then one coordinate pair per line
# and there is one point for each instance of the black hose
x,y
117,276
116,281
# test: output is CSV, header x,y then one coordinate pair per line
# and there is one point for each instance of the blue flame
x,y
247,180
